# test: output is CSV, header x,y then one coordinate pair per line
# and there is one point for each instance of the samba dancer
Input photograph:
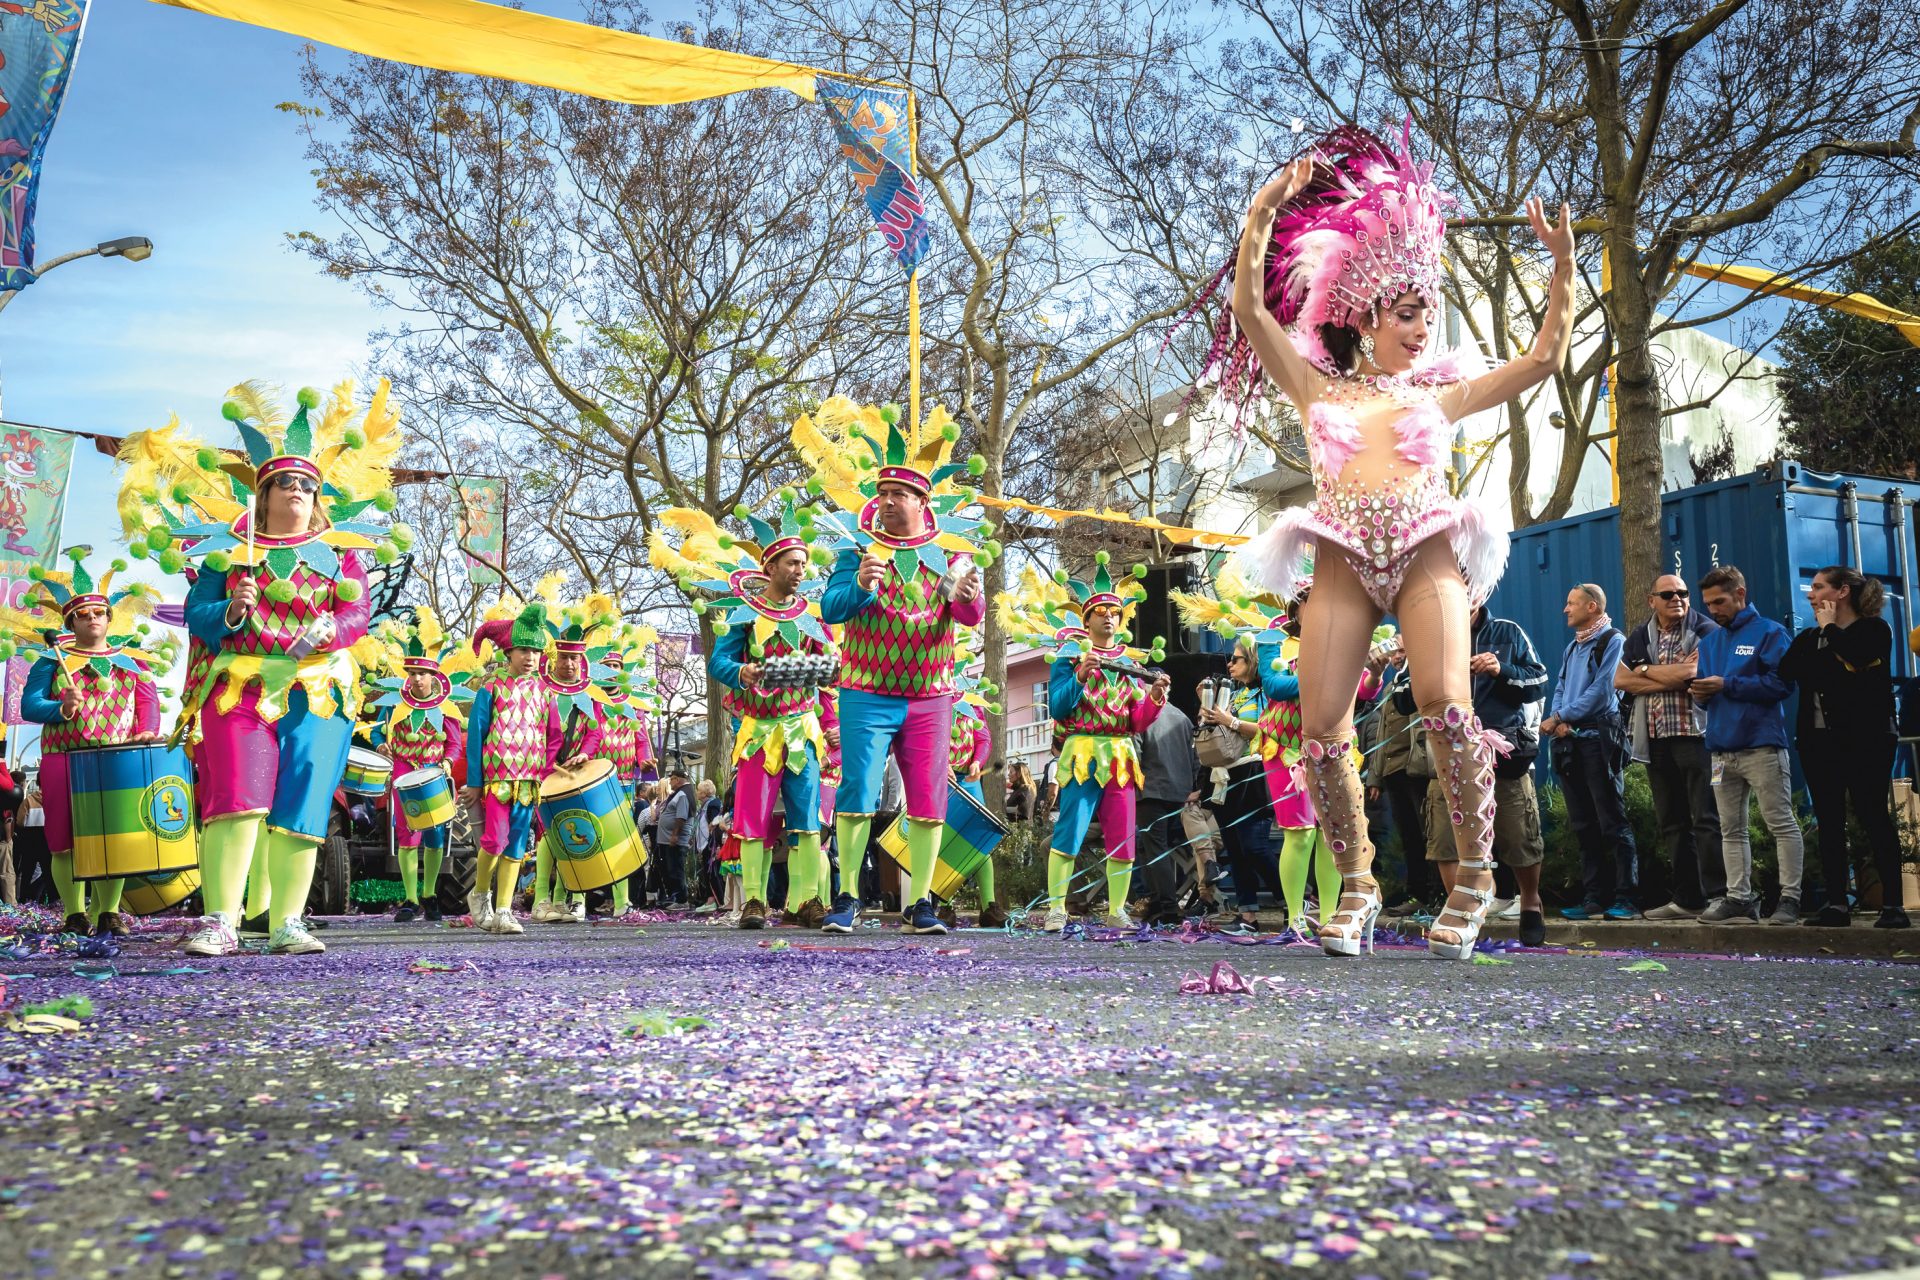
x,y
778,742
278,600
1097,708
1338,322
85,691
514,736
897,598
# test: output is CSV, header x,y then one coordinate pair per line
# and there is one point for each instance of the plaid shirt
x,y
1670,714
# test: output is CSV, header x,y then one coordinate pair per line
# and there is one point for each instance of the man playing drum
x,y
575,701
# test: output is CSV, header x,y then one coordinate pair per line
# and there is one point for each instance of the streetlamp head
x,y
132,248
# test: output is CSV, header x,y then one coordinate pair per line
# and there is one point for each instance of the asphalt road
x,y
425,1101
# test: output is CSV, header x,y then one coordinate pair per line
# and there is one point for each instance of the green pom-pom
x,y
158,539
1060,576
1159,655
700,607
787,494
385,500
219,562
172,561
890,414
181,495
816,486
994,548
347,590
1050,657
279,591
32,600
721,628
6,649
1103,557
804,518
342,494
950,432
741,511
985,559
353,438
232,412
76,554
138,549
1276,665
307,398
119,565
1123,635
757,649
726,541
1158,642
976,465
402,537
1139,571
141,628
994,707
386,553
1224,628
818,555
35,572
1242,602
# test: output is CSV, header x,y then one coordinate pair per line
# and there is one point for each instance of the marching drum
x,y
426,797
589,827
132,811
368,773
149,895
970,837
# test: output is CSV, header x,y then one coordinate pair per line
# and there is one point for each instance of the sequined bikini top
x,y
1333,423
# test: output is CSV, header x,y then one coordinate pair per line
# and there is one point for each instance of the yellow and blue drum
x,y
970,837
367,773
589,827
132,811
150,895
426,797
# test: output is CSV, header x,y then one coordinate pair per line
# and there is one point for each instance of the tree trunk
x,y
1636,388
994,650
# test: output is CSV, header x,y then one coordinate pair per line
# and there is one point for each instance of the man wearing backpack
x,y
1588,746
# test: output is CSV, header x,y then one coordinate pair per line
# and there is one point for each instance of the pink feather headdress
x,y
1365,229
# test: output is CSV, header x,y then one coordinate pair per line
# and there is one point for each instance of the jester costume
x,y
969,751
897,640
617,653
421,732
514,736
278,696
577,701
1095,719
114,701
779,739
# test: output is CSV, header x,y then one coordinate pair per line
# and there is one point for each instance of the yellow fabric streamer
x,y
1204,537
511,44
1761,280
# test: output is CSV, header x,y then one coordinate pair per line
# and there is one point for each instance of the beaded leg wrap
x,y
1340,801
1464,753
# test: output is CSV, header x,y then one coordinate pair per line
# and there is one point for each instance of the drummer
x,y
569,681
422,731
89,695
623,737
513,738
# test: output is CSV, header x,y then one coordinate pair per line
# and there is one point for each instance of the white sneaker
x,y
545,912
1055,922
1118,920
1504,909
579,912
214,938
480,907
505,922
292,939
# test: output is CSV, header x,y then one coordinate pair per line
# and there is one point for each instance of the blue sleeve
x,y
1526,675
378,736
37,702
1765,684
207,609
1279,686
477,721
724,663
1597,694
845,599
1063,688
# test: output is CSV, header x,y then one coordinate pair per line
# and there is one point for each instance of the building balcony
x,y
1030,739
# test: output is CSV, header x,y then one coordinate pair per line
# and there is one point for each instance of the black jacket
x,y
1848,673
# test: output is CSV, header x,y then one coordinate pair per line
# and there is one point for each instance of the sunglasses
x,y
1671,595
293,483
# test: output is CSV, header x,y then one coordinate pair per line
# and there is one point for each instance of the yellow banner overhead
x,y
509,44
1761,280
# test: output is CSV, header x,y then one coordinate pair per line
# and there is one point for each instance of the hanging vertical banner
x,y
871,123
16,677
34,468
481,526
38,43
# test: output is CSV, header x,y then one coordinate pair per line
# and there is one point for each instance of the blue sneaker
x,y
1585,911
845,914
1622,911
921,917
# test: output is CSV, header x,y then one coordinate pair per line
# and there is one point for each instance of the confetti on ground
x,y
1039,1107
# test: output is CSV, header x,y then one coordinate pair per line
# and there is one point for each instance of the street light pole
x,y
132,248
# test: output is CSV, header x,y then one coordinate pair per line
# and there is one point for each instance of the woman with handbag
x,y
1238,796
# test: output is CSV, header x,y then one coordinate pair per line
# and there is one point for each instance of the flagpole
x,y
913,284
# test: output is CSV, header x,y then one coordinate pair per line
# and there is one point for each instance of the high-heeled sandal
x,y
1468,931
1348,927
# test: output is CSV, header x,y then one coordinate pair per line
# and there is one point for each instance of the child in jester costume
x,y
1096,712
86,690
779,741
421,726
970,751
616,653
515,735
278,600
897,595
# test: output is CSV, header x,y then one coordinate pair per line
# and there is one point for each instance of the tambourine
x,y
799,670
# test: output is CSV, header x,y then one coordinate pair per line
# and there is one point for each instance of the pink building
x,y
1029,728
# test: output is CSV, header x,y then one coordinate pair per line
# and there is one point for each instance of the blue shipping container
x,y
1778,525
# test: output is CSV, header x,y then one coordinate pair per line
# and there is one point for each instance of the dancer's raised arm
x,y
1549,350
1282,362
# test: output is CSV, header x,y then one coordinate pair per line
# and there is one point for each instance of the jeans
x,y
1840,768
1763,773
1406,798
1157,870
673,872
1681,776
1591,764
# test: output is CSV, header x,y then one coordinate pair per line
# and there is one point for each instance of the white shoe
x,y
1505,909
292,939
214,938
579,912
545,912
505,922
1118,920
1056,921
480,907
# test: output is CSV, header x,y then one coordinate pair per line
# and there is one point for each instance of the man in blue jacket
x,y
1739,684
1589,754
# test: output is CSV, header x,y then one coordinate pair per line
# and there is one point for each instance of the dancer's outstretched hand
x,y
1285,185
1557,237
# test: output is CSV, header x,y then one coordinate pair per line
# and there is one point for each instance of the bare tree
x,y
1772,131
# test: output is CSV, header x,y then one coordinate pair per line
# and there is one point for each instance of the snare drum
x,y
368,773
132,811
589,827
968,840
150,895
426,797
